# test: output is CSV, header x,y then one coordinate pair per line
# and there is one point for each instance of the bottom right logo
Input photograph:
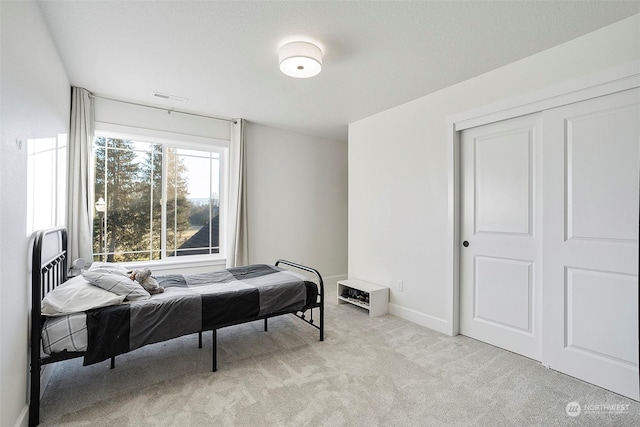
x,y
573,409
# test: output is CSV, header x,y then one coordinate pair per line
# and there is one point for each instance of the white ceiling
x,y
223,55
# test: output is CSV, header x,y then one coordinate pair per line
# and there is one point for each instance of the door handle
x,y
465,244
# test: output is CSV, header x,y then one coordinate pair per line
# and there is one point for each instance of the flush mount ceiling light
x,y
300,59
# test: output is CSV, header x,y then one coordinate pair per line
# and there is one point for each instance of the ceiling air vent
x,y
169,97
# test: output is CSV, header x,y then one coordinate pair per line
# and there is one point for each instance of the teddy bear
x,y
143,276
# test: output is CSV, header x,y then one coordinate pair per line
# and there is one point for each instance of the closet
x,y
549,233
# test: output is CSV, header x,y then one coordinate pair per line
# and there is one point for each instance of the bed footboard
x,y
319,304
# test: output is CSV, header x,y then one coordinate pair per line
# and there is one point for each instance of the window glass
x,y
46,183
196,175
154,193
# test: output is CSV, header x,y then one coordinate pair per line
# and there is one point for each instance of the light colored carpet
x,y
368,372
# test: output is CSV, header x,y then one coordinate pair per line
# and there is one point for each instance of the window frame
x,y
179,141
55,153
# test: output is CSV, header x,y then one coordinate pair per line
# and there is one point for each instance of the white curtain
x,y
237,240
79,202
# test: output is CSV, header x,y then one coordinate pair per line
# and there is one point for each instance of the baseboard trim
x,y
422,319
23,418
333,280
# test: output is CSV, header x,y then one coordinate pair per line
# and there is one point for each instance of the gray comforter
x,y
193,303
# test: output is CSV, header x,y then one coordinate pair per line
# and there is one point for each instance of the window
x,y
155,200
46,169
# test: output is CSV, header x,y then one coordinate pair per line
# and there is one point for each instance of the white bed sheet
x,y
62,333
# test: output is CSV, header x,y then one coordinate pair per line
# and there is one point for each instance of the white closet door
x,y
590,296
500,267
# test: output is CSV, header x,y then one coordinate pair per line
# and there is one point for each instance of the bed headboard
x,y
48,270
49,262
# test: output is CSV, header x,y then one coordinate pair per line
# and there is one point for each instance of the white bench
x,y
378,296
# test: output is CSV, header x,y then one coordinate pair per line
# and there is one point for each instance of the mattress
x,y
65,333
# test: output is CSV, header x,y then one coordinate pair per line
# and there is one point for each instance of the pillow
x,y
119,285
76,295
109,267
103,270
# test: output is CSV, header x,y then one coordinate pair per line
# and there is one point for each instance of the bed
x,y
99,315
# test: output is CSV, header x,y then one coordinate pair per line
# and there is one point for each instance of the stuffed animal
x,y
143,276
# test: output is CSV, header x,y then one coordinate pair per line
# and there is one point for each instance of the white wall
x,y
297,199
398,197
35,97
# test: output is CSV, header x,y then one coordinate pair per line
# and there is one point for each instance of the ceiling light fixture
x,y
300,59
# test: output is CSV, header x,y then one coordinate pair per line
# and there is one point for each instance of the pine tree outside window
x,y
162,200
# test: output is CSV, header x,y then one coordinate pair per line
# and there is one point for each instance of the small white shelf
x,y
378,296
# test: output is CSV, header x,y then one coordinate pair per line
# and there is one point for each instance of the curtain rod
x,y
168,110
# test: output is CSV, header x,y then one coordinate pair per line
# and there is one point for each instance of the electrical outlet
x,y
399,285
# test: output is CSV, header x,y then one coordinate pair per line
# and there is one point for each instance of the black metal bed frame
x,y
49,273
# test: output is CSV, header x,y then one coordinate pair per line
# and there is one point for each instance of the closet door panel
x,y
500,268
590,250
